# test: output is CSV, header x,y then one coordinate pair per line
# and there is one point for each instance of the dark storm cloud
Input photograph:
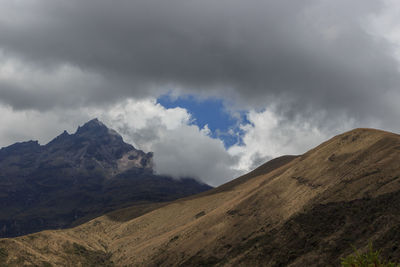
x,y
308,55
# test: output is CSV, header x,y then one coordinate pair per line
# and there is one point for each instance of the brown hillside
x,y
295,211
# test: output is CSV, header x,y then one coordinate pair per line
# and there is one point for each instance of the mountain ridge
x,y
308,211
87,173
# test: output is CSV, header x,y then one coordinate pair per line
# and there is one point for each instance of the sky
x,y
210,113
213,88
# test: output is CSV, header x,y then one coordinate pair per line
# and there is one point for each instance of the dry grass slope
x,y
294,211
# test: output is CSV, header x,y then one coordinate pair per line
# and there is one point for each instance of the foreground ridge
x,y
303,210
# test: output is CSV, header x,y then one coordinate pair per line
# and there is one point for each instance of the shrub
x,y
368,259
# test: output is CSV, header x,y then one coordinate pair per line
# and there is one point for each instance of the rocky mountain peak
x,y
92,126
95,141
98,134
92,147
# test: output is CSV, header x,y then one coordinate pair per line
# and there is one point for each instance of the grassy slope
x,y
235,224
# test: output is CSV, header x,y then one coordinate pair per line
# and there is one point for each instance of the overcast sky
x,y
285,75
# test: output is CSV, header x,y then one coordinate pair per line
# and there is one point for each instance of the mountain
x,y
77,177
306,210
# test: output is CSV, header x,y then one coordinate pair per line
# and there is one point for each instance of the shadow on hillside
x,y
324,233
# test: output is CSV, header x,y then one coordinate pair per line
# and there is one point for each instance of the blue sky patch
x,y
212,112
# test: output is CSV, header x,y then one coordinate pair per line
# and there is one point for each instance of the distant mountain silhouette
x,y
76,177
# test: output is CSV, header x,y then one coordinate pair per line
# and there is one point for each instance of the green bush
x,y
368,259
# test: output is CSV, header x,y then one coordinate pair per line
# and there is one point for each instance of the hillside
x,y
77,177
293,211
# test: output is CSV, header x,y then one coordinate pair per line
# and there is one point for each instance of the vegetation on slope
x,y
371,258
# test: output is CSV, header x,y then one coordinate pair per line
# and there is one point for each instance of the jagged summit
x,y
94,140
92,146
102,141
93,125
94,122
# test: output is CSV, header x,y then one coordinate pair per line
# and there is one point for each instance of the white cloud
x,y
187,151
269,135
25,86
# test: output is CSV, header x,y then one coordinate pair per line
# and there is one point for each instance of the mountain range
x,y
77,177
306,210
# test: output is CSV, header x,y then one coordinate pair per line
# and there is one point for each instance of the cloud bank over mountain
x,y
180,147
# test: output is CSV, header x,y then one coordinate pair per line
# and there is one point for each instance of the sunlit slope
x,y
277,217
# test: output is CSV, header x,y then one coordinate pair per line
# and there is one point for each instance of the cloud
x,y
306,54
269,135
187,152
24,86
